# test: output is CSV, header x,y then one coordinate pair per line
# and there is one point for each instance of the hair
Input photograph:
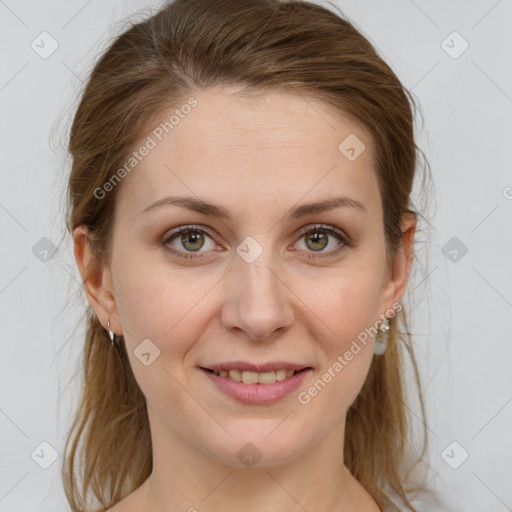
x,y
157,63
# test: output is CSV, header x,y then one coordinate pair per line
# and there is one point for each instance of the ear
x,y
97,281
398,275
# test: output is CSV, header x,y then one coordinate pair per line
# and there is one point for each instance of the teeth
x,y
235,375
249,377
255,377
280,375
267,377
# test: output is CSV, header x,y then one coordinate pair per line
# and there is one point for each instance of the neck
x,y
184,477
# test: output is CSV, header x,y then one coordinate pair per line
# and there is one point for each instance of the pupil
x,y
194,236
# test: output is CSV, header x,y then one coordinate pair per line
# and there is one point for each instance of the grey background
x,y
462,300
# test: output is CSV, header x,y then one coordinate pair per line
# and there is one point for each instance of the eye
x,y
194,238
317,239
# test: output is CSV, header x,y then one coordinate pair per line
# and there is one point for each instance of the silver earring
x,y
382,338
113,338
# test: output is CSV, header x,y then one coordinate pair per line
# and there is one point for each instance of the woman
x,y
240,206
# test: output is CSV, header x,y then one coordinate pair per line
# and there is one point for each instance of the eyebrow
x,y
200,206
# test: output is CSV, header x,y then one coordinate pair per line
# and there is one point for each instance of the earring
x,y
382,338
113,338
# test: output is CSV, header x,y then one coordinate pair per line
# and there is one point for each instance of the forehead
x,y
267,152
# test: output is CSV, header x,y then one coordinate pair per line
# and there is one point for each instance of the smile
x,y
254,377
256,387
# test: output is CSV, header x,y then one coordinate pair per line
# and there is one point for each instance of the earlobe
x,y
96,279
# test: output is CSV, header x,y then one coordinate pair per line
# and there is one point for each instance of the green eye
x,y
317,239
193,238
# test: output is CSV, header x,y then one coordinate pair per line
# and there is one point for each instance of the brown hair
x,y
264,45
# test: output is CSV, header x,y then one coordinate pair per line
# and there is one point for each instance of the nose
x,y
259,301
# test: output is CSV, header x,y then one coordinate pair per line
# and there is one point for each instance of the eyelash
x,y
346,242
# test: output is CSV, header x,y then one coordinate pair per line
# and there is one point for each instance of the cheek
x,y
347,304
153,304
347,349
157,303
344,307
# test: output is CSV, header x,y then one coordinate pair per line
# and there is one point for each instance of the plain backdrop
x,y
455,58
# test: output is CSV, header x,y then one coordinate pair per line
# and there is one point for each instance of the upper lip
x,y
259,368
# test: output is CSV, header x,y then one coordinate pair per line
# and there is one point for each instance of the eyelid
x,y
330,229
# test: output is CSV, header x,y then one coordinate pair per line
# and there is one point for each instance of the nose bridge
x,y
259,301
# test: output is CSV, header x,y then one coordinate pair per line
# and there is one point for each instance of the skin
x,y
258,158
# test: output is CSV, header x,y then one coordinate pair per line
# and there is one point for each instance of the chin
x,y
256,448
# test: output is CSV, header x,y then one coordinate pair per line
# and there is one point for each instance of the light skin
x,y
259,159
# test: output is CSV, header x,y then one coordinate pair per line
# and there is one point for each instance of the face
x,y
264,283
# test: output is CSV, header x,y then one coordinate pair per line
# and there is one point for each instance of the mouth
x,y
256,385
253,377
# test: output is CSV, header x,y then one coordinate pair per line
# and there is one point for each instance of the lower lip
x,y
257,393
